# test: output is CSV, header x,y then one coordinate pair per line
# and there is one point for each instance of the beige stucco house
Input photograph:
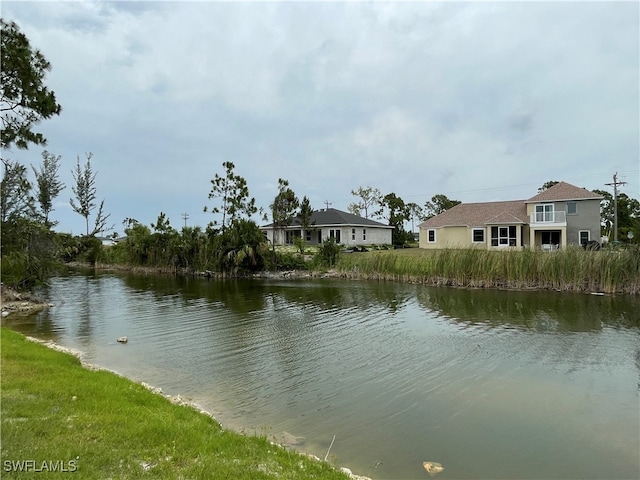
x,y
559,216
345,228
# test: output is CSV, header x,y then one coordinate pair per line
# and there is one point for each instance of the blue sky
x,y
479,101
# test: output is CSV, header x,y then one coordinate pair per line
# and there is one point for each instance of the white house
x,y
345,228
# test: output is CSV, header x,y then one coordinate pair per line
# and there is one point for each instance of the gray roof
x,y
334,217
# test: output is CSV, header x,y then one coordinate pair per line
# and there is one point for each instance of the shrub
x,y
290,261
328,253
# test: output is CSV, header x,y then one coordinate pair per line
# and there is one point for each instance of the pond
x,y
491,384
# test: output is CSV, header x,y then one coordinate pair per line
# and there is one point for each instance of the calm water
x,y
491,384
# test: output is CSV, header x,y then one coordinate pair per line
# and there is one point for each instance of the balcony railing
x,y
548,217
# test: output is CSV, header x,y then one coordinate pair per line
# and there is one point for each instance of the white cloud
x,y
418,98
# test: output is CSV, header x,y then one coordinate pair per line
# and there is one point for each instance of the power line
x,y
185,216
615,184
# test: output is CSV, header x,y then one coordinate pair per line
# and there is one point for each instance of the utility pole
x,y
615,184
185,216
327,203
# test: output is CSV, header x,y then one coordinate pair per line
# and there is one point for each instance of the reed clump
x,y
569,269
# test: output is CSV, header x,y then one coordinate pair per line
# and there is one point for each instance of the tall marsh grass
x,y
569,269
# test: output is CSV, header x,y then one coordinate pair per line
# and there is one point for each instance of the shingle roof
x,y
480,214
515,211
332,216
563,191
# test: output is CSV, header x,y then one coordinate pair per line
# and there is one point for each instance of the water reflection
x,y
486,382
540,310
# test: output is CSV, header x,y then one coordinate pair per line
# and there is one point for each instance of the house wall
x,y
462,237
447,237
587,217
374,236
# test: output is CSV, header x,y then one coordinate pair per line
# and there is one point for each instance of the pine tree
x,y
48,184
85,192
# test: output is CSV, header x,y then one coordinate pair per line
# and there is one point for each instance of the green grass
x,y
569,269
104,426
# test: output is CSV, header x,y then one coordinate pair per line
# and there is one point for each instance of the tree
x,y
28,247
628,214
24,99
49,186
165,242
547,185
438,204
233,193
284,207
16,200
415,213
85,192
369,197
395,211
242,249
304,215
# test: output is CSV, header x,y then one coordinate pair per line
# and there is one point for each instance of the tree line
x,y
31,248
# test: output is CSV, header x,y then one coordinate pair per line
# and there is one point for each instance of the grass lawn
x,y
63,419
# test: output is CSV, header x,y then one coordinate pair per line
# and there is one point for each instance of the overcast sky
x,y
477,101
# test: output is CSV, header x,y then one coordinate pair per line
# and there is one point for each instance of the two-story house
x,y
559,216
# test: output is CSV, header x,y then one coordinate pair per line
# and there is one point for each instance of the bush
x,y
328,253
91,249
290,261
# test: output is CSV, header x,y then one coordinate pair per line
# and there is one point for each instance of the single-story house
x,y
345,228
554,218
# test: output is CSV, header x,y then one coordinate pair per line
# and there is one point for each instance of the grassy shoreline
x,y
59,418
570,269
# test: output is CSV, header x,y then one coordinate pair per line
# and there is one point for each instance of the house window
x,y
478,235
335,234
290,235
544,213
572,208
364,234
503,236
307,234
584,236
353,234
431,235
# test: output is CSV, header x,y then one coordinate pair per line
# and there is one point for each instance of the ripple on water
x,y
400,374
